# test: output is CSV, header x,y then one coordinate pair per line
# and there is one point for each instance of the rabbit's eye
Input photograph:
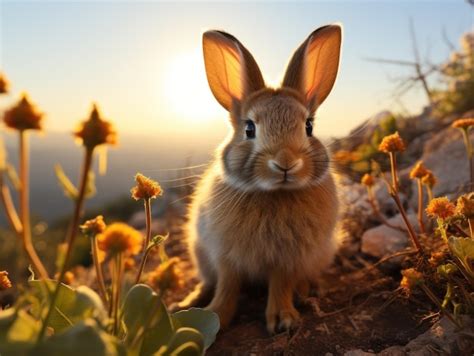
x,y
309,127
250,129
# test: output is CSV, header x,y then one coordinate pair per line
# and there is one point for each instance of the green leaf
x,y
84,338
146,320
68,187
187,349
463,250
157,241
72,305
13,176
186,341
60,255
18,332
102,153
205,321
162,253
17,326
90,187
447,269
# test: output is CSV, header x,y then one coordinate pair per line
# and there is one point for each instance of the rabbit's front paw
x,y
286,318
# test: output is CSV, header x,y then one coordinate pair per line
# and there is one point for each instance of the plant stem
x,y
117,282
147,240
430,193
71,236
25,207
113,271
444,235
378,213
9,207
435,300
471,227
396,198
459,263
420,206
393,166
98,270
411,231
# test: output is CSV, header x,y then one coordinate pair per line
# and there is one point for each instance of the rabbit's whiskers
x,y
181,178
177,169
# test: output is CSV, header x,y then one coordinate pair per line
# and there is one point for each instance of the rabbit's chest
x,y
266,239
261,232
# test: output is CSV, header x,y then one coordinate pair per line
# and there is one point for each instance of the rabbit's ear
x,y
231,70
313,68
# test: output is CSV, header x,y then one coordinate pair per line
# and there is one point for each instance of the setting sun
x,y
186,89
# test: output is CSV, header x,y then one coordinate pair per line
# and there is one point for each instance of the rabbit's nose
x,y
292,167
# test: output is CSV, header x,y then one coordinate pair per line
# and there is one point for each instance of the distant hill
x,y
149,155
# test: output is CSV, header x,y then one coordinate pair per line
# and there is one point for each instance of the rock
x,y
358,352
393,351
446,156
444,338
444,153
355,215
352,196
382,240
385,202
441,339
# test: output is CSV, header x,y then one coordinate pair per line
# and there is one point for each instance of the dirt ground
x,y
358,306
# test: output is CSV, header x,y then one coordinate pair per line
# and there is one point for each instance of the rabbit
x,y
266,208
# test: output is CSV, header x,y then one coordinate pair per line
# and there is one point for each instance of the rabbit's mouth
x,y
286,181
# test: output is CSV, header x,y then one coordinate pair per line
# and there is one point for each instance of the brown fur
x,y
249,220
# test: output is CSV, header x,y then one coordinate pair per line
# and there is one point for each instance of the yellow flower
x,y
96,131
418,171
463,123
167,276
146,188
411,279
436,258
368,180
3,84
441,208
94,226
23,116
429,179
392,143
120,238
465,205
4,281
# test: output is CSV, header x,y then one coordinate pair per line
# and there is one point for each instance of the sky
x,y
142,63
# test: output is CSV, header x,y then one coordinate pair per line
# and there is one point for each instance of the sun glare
x,y
186,88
